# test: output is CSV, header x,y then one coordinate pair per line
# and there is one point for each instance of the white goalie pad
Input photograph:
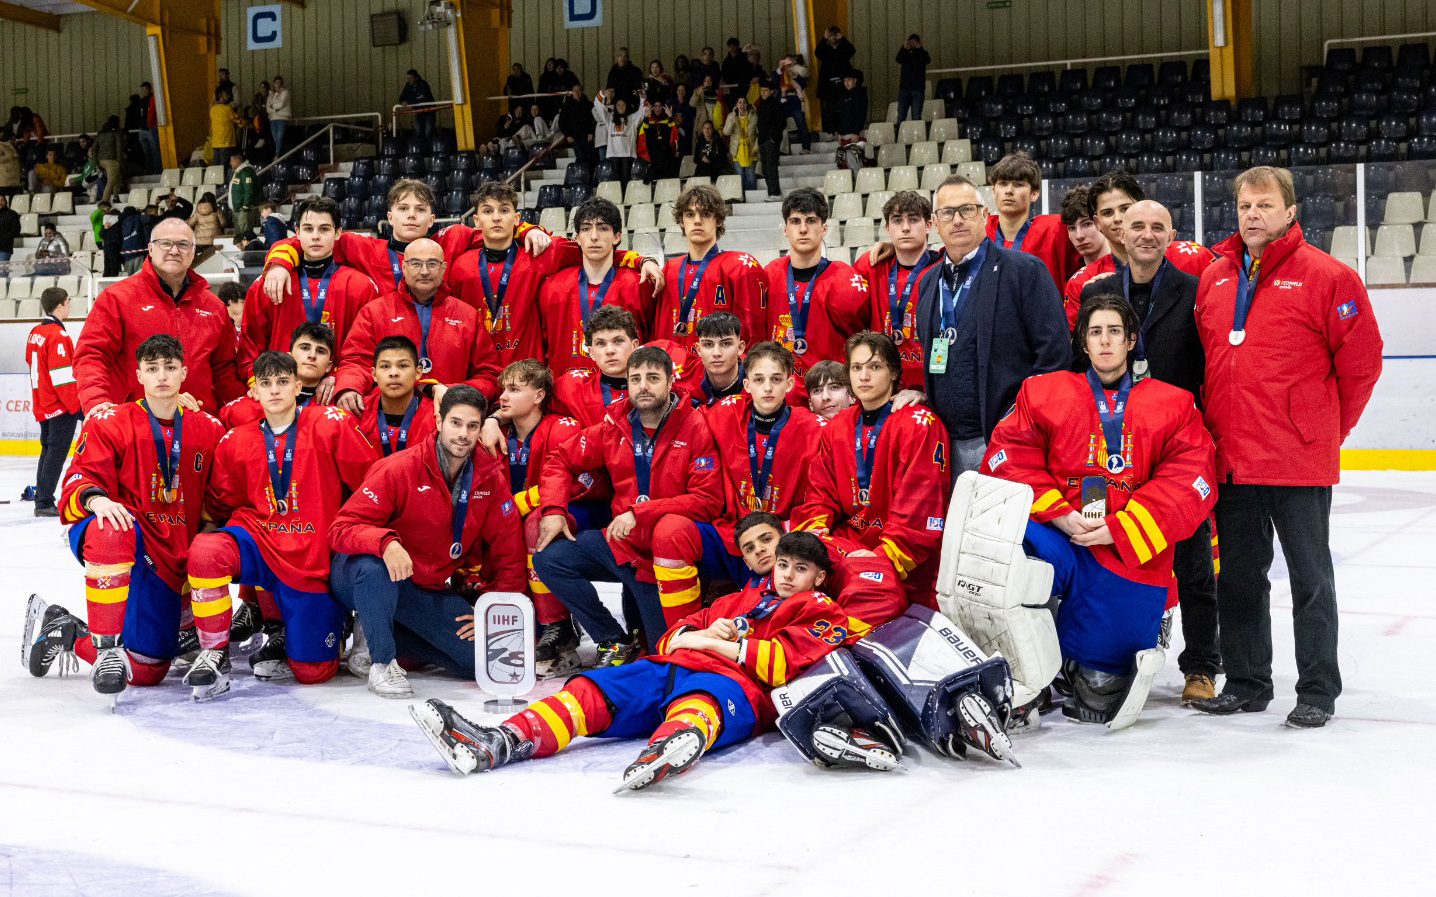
x,y
986,583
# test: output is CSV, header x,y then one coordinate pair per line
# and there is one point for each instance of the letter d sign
x,y
263,27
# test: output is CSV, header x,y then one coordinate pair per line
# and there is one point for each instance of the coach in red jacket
x,y
434,510
1293,354
163,297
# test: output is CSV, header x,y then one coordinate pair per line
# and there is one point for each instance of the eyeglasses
x,y
173,245
417,265
967,211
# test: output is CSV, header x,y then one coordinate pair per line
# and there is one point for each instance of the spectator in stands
x,y
683,114
207,226
542,130
97,216
9,163
223,136
280,110
135,229
851,105
735,71
271,224
622,127
575,121
255,139
243,191
835,61
175,206
790,80
49,176
772,125
225,84
108,153
517,87
1082,228
625,80
706,67
912,62
1292,356
658,140
27,125
710,153
150,134
741,129
657,86
9,228
112,241
416,91
707,103
563,78
682,72
548,83
51,243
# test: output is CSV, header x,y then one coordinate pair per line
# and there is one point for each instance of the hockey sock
x,y
107,591
268,607
547,608
213,611
695,710
676,547
580,709
678,590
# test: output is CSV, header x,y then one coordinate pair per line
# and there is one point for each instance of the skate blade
x,y
206,693
34,613
997,745
274,671
1149,664
677,757
461,761
558,668
839,749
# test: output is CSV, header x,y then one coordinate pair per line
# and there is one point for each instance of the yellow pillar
x,y
479,62
1232,48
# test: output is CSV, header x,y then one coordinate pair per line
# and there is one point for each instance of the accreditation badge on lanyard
x,y
950,303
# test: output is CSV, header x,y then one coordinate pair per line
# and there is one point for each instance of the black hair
x,y
598,210
1116,179
272,364
651,357
718,325
462,394
805,546
160,347
806,201
321,206
752,519
1106,300
230,292
320,333
882,347
396,343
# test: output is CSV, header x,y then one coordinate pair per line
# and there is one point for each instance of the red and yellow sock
x,y
547,608
107,591
678,590
580,709
698,711
213,610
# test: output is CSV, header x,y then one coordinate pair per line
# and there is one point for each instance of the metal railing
x,y
327,131
1326,45
1065,63
399,109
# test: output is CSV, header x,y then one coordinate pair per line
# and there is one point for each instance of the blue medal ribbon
x,y
953,300
583,305
1246,289
426,317
864,453
460,501
1111,417
280,478
607,392
495,298
519,460
799,311
314,311
690,293
168,460
643,451
761,473
1021,235
385,434
897,306
767,603
396,266
1140,351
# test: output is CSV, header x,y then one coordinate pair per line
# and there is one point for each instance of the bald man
x,y
454,346
1170,349
164,296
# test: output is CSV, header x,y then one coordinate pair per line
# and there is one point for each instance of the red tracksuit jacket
x,y
371,255
884,293
733,282
50,356
269,326
1193,258
840,306
903,517
685,478
563,314
1053,438
777,648
421,429
787,485
459,346
135,309
330,455
116,455
245,410
1047,239
405,497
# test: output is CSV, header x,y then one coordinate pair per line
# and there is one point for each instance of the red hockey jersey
x,y
459,346
269,326
373,256
330,456
50,356
733,282
1052,439
885,291
839,307
406,497
1193,258
526,460
421,429
117,455
563,319
1044,236
245,410
787,482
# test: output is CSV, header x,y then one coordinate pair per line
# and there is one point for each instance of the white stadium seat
x,y
876,200
171,177
1428,240
40,203
957,151
609,190
20,203
642,218
30,224
1423,269
1403,208
63,204
1385,270
20,287
29,308
912,131
847,207
697,181
903,177
892,112
869,179
637,192
730,187
839,180
667,190
1343,242
943,130
932,109
192,177
879,133
554,220
933,175
859,234
1396,240
890,154
214,174
923,153
973,171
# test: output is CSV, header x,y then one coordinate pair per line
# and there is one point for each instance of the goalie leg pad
x,y
834,691
988,585
1115,700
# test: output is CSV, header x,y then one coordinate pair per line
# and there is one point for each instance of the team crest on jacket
x,y
704,462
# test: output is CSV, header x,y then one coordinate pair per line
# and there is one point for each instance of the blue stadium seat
x,y
1126,98
1217,113
490,162
576,195
549,196
388,168
1145,119
1226,159
303,173
978,87
575,174
515,157
1338,83
1130,143
1112,162
1318,211
1195,92
1265,155
1413,56
377,205
1342,152
639,170
484,176
1304,154
1043,124
389,148
1161,97
1326,106
1072,81
1202,137
1079,167
1371,81
1422,147
437,164
1354,129
1426,122
411,166
1409,79
1110,121
544,159
529,216
1403,102
1093,144
1056,102
1151,163
1393,127
1202,71
1140,75
334,189
277,193
1383,150
464,161
603,171
1024,104
1173,73
357,186
1278,133
1287,107
1107,77
379,186
1009,126
462,181
1365,102
1041,82
990,107
363,169
443,143
1240,135
310,154
1009,85
1181,115
1029,145
1315,132
456,202
352,207
1379,57
1091,100
1341,59
1187,160
976,127
949,90
436,183
1059,146
1166,140
1076,123
989,151
416,146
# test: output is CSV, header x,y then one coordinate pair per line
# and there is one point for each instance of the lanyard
x,y
1021,235
460,501
1246,289
169,461
519,460
643,451
607,392
897,306
714,394
426,317
279,480
952,301
800,311
597,300
386,434
1111,418
690,293
495,298
761,474
864,454
1141,348
314,311
767,603
396,266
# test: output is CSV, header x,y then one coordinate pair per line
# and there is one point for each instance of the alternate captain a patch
x,y
1346,310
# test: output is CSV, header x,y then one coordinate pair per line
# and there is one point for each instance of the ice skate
x,y
49,636
468,748
556,653
270,663
245,626
853,748
111,671
387,680
209,675
666,757
982,729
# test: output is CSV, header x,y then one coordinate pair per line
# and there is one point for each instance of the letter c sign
x,y
263,27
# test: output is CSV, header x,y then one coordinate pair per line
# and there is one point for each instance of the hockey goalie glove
x,y
834,692
991,589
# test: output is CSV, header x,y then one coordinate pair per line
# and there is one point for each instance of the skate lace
x,y
393,674
550,637
110,662
66,663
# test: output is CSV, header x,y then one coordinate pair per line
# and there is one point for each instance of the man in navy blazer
x,y
988,318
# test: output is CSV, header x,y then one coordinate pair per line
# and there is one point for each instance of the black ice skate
x,y
854,748
271,662
466,747
209,675
982,729
49,636
556,653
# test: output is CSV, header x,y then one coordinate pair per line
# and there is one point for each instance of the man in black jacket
x,y
912,60
772,121
625,79
835,60
1170,349
736,71
9,228
575,121
988,318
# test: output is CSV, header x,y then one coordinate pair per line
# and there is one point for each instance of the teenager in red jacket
x,y
324,292
892,283
163,297
814,304
134,499
396,415
1016,186
659,456
706,687
54,400
276,487
1120,473
436,510
1082,230
312,348
1293,353
719,372
880,476
453,345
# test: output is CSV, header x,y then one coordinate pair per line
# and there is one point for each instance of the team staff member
x,y
987,319
54,400
1293,353
1082,230
1016,186
907,217
398,546
1169,349
164,296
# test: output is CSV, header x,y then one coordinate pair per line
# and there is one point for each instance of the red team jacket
x,y
884,294
135,309
792,461
1053,438
581,395
459,347
1193,258
685,479
1047,239
733,282
116,455
421,429
50,356
269,326
777,648
330,455
563,315
1280,404
371,255
903,517
840,306
405,497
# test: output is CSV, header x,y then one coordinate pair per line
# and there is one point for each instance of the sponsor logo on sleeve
x,y
507,508
704,462
934,524
1201,486
996,460
871,576
1346,310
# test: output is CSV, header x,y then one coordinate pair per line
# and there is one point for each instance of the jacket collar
x,y
1275,253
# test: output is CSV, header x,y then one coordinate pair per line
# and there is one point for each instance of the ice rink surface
x,y
278,790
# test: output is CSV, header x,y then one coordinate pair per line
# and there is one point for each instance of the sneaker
x,y
270,663
1199,687
359,663
47,511
666,757
111,671
387,680
468,748
209,675
1306,716
854,748
556,653
616,653
50,634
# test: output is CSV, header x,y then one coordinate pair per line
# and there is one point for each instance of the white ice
x,y
309,790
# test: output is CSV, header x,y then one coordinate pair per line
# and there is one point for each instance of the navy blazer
x,y
1021,327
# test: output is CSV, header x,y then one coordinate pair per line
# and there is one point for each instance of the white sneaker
x,y
388,681
359,662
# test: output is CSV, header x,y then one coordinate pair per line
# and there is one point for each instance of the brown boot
x,y
1200,687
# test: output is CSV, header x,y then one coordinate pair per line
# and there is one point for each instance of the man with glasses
x,y
987,318
164,296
